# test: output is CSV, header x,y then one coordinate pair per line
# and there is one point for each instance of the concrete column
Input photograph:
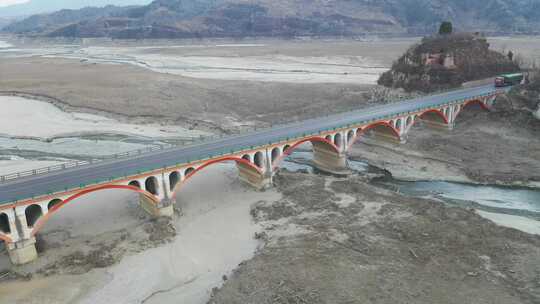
x,y
165,184
328,160
162,187
402,130
451,115
490,101
21,224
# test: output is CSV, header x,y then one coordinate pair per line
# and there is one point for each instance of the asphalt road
x,y
33,186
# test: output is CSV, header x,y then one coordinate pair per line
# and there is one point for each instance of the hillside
x,y
239,18
32,7
446,61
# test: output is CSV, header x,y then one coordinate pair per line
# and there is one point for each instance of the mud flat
x,y
133,94
53,122
334,240
262,81
63,136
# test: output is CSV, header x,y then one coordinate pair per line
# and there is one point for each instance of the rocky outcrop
x,y
444,62
241,18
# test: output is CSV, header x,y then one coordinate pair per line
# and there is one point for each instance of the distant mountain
x,y
4,21
33,7
285,18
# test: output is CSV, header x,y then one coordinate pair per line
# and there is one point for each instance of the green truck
x,y
508,79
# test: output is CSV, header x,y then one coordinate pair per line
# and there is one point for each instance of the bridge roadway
x,y
32,186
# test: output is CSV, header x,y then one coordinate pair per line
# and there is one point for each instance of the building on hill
x,y
442,59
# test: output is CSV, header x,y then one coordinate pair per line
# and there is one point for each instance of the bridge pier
x,y
23,251
22,248
438,125
328,160
387,136
258,180
165,208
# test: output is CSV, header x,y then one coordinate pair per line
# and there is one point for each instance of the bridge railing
x,y
73,164
194,141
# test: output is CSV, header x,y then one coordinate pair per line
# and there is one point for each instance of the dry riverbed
x,y
355,243
312,239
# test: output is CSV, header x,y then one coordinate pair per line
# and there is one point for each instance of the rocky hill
x,y
446,61
239,18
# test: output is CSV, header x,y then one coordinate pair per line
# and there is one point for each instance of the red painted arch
x,y
294,146
209,163
470,102
438,112
41,221
371,126
382,123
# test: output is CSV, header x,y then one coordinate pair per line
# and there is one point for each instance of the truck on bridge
x,y
509,79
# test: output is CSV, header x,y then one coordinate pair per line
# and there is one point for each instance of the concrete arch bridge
x,y
29,199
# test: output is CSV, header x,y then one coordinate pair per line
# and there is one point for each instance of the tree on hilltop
x,y
446,28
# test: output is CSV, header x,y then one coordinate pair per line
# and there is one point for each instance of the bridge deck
x,y
32,186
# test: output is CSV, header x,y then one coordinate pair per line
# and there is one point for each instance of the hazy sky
x,y
4,3
11,2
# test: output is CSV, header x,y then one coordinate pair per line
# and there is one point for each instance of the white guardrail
x,y
73,164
